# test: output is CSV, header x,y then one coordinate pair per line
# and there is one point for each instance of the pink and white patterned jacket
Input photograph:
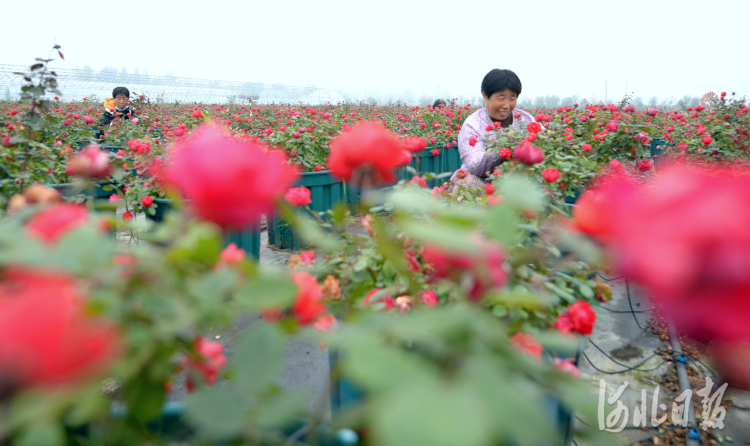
x,y
476,160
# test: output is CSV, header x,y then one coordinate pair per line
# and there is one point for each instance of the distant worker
x,y
438,103
116,109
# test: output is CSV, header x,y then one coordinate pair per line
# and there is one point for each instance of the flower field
x,y
457,314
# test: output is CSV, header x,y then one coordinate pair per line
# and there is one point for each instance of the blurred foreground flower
x,y
207,363
51,224
308,304
367,155
229,181
481,264
91,162
686,237
46,336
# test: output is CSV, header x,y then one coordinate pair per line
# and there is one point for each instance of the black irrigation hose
x,y
656,352
628,369
624,311
630,302
608,280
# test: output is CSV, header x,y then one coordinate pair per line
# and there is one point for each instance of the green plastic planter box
x,y
424,161
656,152
248,240
325,192
452,160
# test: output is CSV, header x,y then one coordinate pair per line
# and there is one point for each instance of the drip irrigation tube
x,y
682,375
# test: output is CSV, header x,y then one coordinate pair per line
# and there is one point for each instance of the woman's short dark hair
x,y
123,90
438,103
501,80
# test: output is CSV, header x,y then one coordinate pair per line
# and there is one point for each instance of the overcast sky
x,y
660,47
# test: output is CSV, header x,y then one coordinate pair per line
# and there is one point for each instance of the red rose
x,y
527,344
318,168
230,181
197,114
411,260
414,144
707,140
505,153
46,335
484,263
534,127
472,140
586,147
209,361
91,162
308,304
579,318
298,196
528,154
429,298
645,165
307,257
436,152
551,175
583,317
384,297
687,239
420,181
591,215
367,153
147,201
51,224
231,255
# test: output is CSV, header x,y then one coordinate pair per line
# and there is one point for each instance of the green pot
x,y
248,240
656,152
325,192
452,160
171,425
424,161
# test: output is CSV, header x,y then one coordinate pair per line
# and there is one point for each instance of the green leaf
x,y
267,290
522,192
502,225
377,367
42,433
560,292
428,412
280,410
259,356
144,398
202,244
517,407
586,291
216,413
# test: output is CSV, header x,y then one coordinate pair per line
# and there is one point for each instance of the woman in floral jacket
x,y
500,90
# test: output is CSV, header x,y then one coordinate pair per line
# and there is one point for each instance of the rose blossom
x,y
228,180
46,335
298,196
91,162
367,153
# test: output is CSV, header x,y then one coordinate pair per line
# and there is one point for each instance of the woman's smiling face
x,y
501,104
